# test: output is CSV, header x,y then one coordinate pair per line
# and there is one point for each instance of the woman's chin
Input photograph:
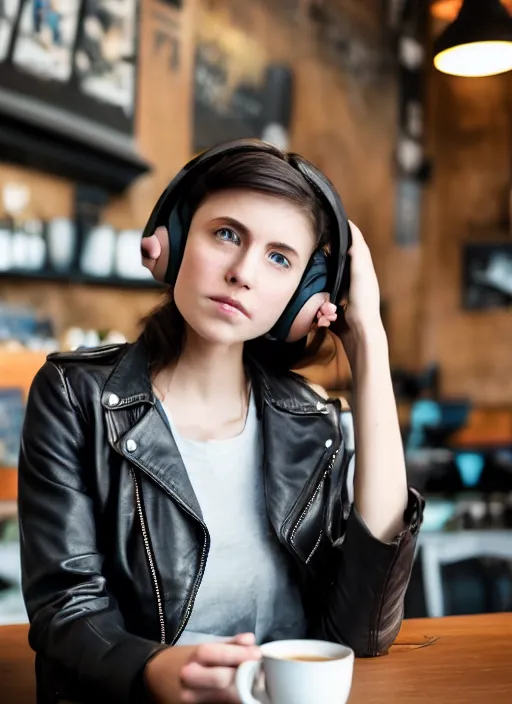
x,y
216,334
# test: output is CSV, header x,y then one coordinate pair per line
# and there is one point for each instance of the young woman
x,y
184,499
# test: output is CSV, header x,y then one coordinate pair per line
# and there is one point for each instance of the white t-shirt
x,y
248,583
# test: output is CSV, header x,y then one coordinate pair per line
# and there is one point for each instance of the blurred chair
x,y
443,548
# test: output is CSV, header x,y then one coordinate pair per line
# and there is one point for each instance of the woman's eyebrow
x,y
285,247
227,220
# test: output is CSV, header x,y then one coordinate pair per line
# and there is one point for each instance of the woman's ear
x,y
306,317
155,253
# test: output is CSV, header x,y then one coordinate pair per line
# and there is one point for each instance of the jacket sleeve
x,y
75,623
364,598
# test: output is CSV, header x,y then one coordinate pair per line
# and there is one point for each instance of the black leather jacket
x,y
114,545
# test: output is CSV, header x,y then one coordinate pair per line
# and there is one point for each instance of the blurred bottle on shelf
x,y
62,242
75,338
97,255
21,235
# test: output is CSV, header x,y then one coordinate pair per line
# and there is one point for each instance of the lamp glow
x,y
478,42
476,59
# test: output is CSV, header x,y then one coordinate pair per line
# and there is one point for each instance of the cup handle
x,y
245,676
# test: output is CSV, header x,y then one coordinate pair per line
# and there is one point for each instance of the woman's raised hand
x,y
202,674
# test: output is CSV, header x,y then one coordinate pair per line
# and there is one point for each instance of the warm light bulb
x,y
476,59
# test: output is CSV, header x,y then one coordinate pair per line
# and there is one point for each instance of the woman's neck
x,y
206,389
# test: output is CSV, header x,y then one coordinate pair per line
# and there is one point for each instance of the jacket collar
x,y
130,383
293,449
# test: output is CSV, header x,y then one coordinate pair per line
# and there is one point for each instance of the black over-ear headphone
x,y
324,272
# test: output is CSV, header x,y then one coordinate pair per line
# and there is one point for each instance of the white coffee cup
x,y
289,680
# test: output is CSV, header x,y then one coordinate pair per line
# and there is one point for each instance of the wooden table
x,y
468,661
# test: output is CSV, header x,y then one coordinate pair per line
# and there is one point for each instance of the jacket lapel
x,y
137,431
300,433
156,454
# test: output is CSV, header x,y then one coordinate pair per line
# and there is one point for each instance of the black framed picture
x,y
229,80
76,56
487,276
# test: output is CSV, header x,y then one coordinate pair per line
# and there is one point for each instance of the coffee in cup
x,y
298,672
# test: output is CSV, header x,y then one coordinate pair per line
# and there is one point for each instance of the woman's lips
x,y
230,305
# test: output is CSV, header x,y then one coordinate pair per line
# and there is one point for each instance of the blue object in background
x,y
424,414
470,466
12,412
454,414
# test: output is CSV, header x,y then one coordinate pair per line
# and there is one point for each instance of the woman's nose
x,y
243,272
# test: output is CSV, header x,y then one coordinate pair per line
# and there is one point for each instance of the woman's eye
x,y
279,259
227,235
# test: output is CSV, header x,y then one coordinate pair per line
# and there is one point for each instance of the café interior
x,y
406,106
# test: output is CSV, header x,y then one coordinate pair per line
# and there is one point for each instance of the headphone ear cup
x,y
314,281
154,250
301,325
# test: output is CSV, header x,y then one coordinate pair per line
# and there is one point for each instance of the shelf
x,y
81,279
35,134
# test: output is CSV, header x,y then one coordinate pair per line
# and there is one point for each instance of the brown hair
x,y
265,172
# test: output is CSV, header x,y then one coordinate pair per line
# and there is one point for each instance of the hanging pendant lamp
x,y
478,42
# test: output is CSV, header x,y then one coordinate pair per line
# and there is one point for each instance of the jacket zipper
x,y
311,501
151,562
193,595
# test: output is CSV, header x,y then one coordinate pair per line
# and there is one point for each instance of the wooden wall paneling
x,y
344,118
470,140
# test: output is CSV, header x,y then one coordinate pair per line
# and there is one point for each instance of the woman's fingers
x,y
357,235
226,654
196,676
210,696
326,309
210,676
326,314
244,639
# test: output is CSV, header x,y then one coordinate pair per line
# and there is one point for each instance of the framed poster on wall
x,y
78,56
68,87
487,276
229,80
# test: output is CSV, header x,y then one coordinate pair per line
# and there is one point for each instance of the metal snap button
x,y
131,445
328,443
113,400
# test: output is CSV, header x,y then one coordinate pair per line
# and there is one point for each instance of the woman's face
x,y
244,257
